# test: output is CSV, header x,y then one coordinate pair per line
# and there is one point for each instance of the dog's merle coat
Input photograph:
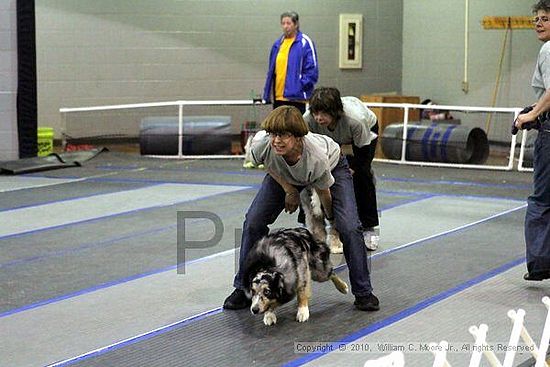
x,y
281,266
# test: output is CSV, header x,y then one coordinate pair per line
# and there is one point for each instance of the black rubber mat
x,y
50,162
406,281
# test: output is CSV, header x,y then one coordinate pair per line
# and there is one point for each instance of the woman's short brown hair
x,y
327,100
285,119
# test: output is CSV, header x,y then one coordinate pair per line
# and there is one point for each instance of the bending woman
x,y
294,159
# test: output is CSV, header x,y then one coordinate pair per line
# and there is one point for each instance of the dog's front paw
x,y
336,246
270,318
303,314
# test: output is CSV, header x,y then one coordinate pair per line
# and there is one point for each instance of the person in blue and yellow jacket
x,y
293,69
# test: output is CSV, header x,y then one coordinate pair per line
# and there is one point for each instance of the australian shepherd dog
x,y
281,266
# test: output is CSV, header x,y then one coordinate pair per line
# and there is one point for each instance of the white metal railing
x,y
408,106
482,349
180,105
522,153
251,102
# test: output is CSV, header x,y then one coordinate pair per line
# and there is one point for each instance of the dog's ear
x,y
249,279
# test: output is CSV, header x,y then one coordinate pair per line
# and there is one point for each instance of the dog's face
x,y
265,289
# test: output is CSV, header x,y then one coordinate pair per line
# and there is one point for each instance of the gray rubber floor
x,y
88,275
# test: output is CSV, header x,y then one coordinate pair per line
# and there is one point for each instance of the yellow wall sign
x,y
518,22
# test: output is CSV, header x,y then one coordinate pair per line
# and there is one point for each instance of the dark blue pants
x,y
269,203
537,219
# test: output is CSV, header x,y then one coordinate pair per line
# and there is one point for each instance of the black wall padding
x,y
26,79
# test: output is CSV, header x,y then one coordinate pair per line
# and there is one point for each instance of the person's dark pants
x,y
299,105
537,219
365,189
269,203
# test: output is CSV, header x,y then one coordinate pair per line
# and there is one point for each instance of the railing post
x,y
405,133
522,149
180,129
513,145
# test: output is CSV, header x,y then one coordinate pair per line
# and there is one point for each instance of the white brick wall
x,y
92,54
433,57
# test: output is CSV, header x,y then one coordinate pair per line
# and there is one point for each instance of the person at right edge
x,y
293,70
537,218
348,121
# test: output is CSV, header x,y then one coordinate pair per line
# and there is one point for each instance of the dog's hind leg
x,y
339,283
315,219
333,240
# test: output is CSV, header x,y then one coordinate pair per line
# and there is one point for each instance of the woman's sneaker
x,y
371,239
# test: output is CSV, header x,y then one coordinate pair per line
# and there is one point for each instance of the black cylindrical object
x,y
448,143
202,135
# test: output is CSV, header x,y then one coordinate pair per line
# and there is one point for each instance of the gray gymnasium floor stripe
x,y
253,173
13,183
259,172
107,242
153,181
134,308
248,172
114,314
455,183
56,214
134,276
111,177
428,222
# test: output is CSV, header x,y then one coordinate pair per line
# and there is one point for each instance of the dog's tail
x,y
339,283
